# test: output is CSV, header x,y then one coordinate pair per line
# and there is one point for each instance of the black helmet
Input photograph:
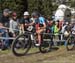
x,y
35,14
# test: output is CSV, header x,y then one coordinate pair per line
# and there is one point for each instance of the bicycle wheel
x,y
70,43
45,47
21,45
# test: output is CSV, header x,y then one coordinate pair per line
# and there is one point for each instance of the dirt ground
x,y
34,56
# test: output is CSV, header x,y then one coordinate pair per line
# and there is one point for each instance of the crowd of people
x,y
11,26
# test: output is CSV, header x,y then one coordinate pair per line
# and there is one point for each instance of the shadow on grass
x,y
54,49
32,53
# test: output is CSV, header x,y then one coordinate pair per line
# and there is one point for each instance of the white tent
x,y
62,6
59,15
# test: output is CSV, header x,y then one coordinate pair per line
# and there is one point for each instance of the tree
x,y
72,3
45,7
15,5
32,5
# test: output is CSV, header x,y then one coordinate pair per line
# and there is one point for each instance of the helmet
x,y
26,13
35,13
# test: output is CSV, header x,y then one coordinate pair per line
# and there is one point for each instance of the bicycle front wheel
x,y
21,45
70,43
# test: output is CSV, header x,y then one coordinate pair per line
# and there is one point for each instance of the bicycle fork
x,y
32,37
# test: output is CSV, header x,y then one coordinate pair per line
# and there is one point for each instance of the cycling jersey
x,y
40,21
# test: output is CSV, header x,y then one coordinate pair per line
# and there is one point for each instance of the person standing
x,y
26,22
14,24
4,20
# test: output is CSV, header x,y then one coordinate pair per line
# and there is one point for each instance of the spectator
x,y
49,29
3,33
67,30
56,32
14,23
64,26
73,29
26,22
5,18
56,28
5,23
50,25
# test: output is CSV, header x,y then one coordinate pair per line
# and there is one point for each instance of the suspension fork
x,y
32,37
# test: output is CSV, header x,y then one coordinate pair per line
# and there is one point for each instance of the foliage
x,y
45,7
15,5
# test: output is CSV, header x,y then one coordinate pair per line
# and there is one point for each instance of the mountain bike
x,y
70,42
23,42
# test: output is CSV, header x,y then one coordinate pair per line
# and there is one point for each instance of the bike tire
x,y
46,46
70,44
28,46
43,47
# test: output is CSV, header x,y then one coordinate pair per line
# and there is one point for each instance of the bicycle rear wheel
x,y
21,45
45,47
70,43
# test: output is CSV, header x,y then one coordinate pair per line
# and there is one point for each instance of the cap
x,y
7,11
14,14
26,13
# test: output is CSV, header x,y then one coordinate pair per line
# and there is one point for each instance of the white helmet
x,y
26,13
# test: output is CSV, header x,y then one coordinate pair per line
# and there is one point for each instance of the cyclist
x,y
40,26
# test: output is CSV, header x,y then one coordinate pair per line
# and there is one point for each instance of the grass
x,y
5,52
56,56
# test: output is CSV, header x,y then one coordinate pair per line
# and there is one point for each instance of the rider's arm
x,y
22,27
44,26
42,21
32,21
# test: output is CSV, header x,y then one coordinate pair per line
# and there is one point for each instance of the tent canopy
x,y
59,15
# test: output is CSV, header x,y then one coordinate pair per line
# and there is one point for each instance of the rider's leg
x,y
39,36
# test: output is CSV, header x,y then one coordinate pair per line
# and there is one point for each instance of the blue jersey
x,y
40,20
